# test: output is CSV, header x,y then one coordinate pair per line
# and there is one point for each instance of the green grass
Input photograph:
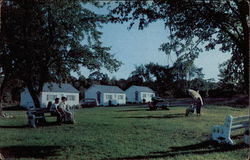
x,y
122,133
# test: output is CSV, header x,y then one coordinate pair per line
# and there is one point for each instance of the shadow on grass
x,y
178,115
132,110
14,108
15,127
27,126
40,152
205,147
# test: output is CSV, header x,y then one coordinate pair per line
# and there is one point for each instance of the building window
x,y
70,97
144,95
51,97
120,96
109,97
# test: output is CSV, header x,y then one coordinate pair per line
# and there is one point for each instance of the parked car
x,y
158,102
88,102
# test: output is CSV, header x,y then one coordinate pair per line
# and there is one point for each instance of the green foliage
x,y
232,75
46,41
122,133
195,26
165,80
185,69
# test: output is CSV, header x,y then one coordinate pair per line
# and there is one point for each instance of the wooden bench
x,y
222,133
37,116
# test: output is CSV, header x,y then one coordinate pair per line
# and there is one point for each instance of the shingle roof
x,y
108,89
54,87
143,89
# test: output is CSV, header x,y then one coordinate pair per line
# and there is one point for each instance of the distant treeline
x,y
168,82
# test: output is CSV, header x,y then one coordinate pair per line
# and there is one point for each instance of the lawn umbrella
x,y
195,95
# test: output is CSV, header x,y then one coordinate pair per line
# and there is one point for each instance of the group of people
x,y
195,106
61,111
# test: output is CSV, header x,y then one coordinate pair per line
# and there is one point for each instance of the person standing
x,y
197,99
199,104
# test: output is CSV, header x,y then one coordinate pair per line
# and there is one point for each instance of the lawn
x,y
122,133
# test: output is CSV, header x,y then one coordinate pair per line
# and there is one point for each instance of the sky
x,y
135,47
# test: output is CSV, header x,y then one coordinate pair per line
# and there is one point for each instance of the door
x,y
98,97
136,96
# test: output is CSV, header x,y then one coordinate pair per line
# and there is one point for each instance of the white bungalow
x,y
105,95
138,94
50,92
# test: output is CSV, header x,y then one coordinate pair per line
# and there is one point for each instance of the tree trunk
x,y
34,95
244,13
246,57
1,109
3,85
1,2
246,72
1,100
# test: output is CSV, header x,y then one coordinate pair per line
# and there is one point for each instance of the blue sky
x,y
135,47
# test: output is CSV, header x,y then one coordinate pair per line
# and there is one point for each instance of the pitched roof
x,y
54,87
108,89
143,89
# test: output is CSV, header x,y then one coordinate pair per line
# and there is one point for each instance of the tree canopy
x,y
195,26
44,41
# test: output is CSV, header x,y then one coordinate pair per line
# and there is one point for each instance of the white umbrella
x,y
195,95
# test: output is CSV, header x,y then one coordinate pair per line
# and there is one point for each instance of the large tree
x,y
230,75
195,25
44,41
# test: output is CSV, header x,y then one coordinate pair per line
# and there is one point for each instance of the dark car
x,y
158,99
158,102
88,102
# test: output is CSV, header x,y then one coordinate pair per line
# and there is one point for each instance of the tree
x,y
165,79
185,69
230,74
45,41
141,73
194,25
122,83
162,76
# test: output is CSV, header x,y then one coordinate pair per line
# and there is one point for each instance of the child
x,y
190,109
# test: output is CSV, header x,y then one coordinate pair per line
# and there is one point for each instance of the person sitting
x,y
55,112
67,115
190,109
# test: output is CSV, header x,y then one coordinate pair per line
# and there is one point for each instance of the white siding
x,y
45,99
130,94
26,100
92,93
147,96
115,100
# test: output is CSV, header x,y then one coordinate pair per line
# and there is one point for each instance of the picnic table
x,y
37,116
